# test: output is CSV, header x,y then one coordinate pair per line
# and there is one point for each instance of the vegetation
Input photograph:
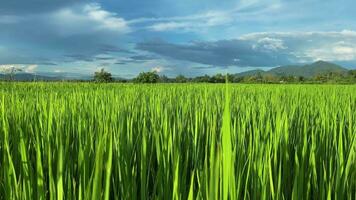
x,y
319,72
181,79
177,141
103,76
331,77
148,77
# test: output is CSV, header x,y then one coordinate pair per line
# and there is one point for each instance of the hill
x,y
310,70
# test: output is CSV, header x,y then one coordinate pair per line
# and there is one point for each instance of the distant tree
x,y
301,78
147,77
103,76
121,80
181,79
269,78
221,78
164,79
288,79
218,78
10,71
237,79
230,78
202,79
352,73
258,78
320,78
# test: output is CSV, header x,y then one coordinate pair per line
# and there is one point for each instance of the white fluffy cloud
x,y
168,26
16,67
160,69
312,46
268,43
30,68
88,18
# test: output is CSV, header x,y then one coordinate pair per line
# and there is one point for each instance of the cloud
x,y
312,46
108,48
9,19
220,53
269,44
160,69
31,68
193,22
262,49
186,25
81,35
103,58
88,18
167,26
9,68
210,18
79,57
28,6
16,67
143,57
81,31
135,59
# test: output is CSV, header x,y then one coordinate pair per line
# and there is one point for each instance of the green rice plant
x,y
177,141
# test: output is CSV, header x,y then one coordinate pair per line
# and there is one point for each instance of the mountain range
x,y
307,71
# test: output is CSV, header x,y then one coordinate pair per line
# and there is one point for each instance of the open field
x,y
183,141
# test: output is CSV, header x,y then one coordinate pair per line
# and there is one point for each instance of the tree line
x,y
103,76
154,77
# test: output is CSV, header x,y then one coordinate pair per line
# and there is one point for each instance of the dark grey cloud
x,y
222,53
41,63
204,67
143,57
136,59
104,58
107,48
79,57
120,63
262,49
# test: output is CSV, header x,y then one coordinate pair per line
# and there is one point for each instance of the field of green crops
x,y
184,141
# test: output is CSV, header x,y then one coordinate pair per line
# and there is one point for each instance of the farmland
x,y
177,141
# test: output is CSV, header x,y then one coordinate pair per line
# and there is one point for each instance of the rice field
x,y
177,141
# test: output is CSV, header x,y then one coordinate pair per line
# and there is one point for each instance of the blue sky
x,y
189,37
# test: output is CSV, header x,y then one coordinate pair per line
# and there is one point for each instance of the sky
x,y
188,37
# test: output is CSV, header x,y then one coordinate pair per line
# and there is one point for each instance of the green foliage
x,y
164,79
181,79
103,76
177,141
352,73
202,79
147,77
258,77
